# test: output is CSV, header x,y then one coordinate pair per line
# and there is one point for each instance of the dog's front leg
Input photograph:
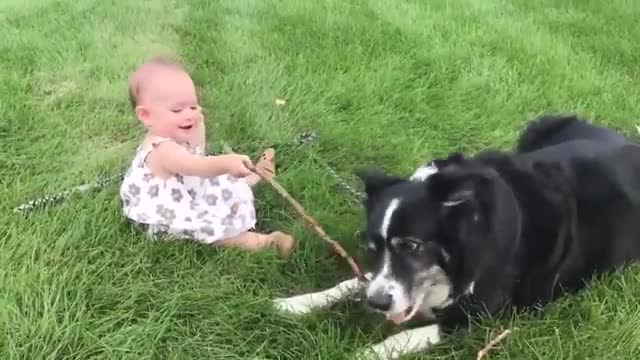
x,y
403,343
306,303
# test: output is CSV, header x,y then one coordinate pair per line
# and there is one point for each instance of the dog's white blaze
x,y
423,172
386,219
402,344
306,303
385,283
382,281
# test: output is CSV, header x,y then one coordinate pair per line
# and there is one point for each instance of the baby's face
x,y
171,106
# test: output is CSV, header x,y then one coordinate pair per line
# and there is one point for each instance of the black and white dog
x,y
467,236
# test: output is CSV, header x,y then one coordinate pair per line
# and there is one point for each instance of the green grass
x,y
384,83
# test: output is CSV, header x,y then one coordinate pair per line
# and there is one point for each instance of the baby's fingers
x,y
246,161
244,173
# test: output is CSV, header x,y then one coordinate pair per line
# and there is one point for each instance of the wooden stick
x,y
312,223
308,219
485,350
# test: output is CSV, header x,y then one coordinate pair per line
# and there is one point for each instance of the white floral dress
x,y
186,207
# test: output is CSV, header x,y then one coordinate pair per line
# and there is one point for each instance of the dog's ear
x,y
454,187
455,158
375,180
464,194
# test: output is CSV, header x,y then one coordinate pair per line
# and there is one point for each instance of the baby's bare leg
x,y
246,240
255,241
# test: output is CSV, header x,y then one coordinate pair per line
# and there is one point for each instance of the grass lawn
x,y
384,83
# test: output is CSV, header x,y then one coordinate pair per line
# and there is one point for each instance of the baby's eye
x,y
176,111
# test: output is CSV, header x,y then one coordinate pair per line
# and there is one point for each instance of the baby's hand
x,y
175,159
237,165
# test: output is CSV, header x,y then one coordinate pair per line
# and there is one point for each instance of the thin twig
x,y
312,223
308,219
492,343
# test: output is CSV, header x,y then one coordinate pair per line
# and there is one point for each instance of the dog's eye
x,y
413,245
371,246
409,245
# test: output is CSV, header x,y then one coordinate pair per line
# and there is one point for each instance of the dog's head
x,y
429,238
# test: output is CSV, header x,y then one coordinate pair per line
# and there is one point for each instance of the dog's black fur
x,y
531,224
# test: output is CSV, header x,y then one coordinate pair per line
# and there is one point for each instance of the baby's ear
x,y
142,113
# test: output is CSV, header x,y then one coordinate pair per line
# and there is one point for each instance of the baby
x,y
172,187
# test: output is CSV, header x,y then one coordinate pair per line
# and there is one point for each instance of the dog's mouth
x,y
410,311
400,317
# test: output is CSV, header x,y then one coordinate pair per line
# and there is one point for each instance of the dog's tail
x,y
539,131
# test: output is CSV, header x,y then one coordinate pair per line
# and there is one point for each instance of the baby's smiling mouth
x,y
185,127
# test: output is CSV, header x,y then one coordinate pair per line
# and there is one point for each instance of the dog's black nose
x,y
380,300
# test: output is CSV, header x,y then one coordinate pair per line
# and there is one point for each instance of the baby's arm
x,y
170,158
199,137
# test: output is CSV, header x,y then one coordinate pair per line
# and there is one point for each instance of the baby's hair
x,y
143,71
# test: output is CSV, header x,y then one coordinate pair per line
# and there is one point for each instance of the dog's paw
x,y
297,305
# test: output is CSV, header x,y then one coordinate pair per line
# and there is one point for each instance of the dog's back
x,y
607,202
604,172
551,130
560,138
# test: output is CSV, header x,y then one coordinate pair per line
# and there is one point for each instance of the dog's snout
x,y
380,300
